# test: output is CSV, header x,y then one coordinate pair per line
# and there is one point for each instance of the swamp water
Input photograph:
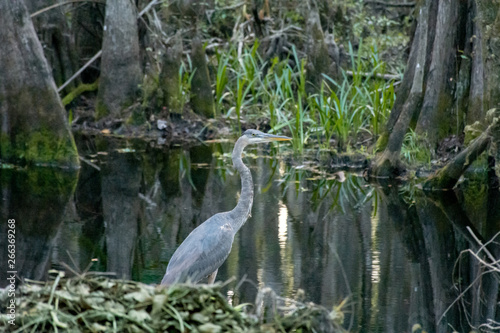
x,y
392,254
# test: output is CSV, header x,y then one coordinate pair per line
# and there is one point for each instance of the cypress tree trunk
x,y
451,77
54,34
87,29
34,128
438,117
169,76
202,100
387,164
322,51
120,65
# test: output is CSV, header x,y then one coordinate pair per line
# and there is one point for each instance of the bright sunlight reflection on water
x,y
282,225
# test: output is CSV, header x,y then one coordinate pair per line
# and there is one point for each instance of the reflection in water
x,y
282,226
36,199
375,260
390,254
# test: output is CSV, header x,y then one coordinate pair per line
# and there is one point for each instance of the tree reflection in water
x,y
391,254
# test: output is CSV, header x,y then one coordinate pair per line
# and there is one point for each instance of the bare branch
x,y
43,10
98,54
390,4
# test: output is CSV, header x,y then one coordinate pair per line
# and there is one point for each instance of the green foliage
x,y
221,81
415,149
276,92
185,77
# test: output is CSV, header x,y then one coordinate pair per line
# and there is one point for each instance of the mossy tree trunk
x,y
54,34
34,127
121,71
169,76
451,77
87,29
202,100
407,105
322,51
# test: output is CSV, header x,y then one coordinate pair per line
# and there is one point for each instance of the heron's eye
x,y
253,134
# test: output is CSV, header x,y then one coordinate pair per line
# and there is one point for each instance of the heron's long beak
x,y
272,137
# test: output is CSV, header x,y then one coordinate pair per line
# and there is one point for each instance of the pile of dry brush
x,y
90,303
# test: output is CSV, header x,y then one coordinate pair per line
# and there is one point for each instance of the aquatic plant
x,y
415,149
339,109
185,77
221,81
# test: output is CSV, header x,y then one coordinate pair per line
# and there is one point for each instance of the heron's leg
x,y
211,277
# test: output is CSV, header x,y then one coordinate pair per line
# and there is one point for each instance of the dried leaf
x,y
139,296
139,316
209,328
200,317
158,301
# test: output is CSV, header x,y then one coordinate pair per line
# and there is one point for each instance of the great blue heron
x,y
208,246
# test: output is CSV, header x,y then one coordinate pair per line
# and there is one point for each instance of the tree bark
x,y
202,100
451,77
322,51
121,72
387,164
447,177
87,28
53,32
169,76
34,127
434,119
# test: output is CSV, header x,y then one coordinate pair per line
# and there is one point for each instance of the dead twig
x,y
387,77
98,54
390,4
43,10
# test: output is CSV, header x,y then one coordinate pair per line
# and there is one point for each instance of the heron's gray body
x,y
210,242
208,246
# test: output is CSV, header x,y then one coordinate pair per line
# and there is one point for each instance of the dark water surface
x,y
391,254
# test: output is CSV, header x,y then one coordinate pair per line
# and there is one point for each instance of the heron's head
x,y
255,136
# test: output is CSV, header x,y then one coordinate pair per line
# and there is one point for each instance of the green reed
x,y
276,93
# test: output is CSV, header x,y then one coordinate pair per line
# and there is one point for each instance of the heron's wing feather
x,y
202,252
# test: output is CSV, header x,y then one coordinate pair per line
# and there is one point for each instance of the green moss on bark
x,y
40,147
101,110
79,90
202,100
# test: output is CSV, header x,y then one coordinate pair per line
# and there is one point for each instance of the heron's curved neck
x,y
243,209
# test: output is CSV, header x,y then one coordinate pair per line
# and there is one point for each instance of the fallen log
x,y
447,177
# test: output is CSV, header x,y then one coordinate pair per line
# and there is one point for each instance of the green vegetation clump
x,y
99,304
274,94
261,73
415,149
